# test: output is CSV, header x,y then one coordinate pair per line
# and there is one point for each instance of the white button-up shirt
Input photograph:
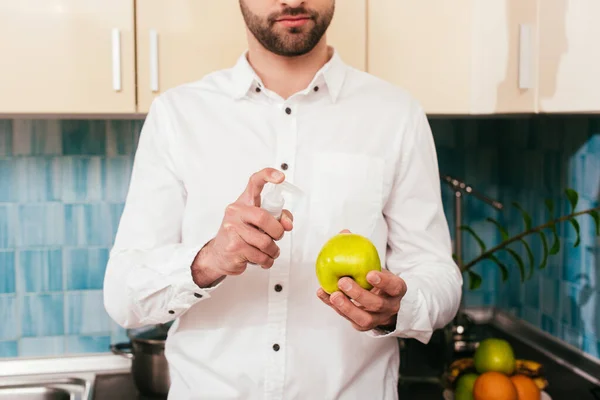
x,y
362,152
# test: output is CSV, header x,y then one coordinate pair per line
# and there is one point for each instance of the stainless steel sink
x,y
47,389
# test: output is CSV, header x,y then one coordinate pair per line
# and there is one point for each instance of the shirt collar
x,y
332,74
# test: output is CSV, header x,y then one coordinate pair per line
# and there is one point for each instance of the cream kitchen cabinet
x,y
457,57
348,32
67,56
181,41
569,77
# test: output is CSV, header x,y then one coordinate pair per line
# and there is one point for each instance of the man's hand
x,y
247,234
366,309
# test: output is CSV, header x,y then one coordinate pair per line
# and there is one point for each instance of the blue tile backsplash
x,y
63,184
62,188
529,160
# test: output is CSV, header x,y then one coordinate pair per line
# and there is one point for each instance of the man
x,y
195,247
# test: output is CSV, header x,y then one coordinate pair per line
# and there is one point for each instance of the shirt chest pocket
x,y
346,192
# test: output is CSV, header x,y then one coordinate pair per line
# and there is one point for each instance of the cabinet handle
x,y
525,56
116,59
154,60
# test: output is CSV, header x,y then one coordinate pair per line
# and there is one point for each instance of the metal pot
x,y
149,366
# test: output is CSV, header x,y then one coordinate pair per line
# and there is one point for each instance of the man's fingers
x,y
287,220
255,256
389,283
258,239
325,298
256,183
362,318
263,220
369,300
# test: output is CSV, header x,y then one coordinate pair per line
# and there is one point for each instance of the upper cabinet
x,y
569,78
348,32
181,41
67,56
458,57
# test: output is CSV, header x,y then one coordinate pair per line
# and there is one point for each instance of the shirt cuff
x,y
413,317
172,288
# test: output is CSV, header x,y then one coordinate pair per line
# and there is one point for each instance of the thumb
x,y
256,183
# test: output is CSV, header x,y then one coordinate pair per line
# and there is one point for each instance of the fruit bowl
x,y
495,373
448,395
463,366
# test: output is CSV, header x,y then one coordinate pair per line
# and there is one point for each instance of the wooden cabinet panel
x,y
191,39
459,57
67,56
569,56
348,32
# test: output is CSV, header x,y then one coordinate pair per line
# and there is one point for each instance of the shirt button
x,y
257,90
284,166
276,347
171,312
198,295
278,288
288,110
316,88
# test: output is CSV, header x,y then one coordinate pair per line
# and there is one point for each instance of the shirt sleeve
x,y
148,277
419,246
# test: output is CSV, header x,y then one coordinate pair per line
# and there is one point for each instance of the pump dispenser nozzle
x,y
273,200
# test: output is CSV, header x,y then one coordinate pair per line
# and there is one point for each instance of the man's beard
x,y
293,41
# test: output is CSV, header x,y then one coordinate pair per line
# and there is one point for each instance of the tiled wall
x,y
62,187
63,183
529,160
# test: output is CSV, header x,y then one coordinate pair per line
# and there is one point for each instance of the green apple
x,y
496,355
346,254
464,387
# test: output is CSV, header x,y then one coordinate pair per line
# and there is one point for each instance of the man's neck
x,y
287,75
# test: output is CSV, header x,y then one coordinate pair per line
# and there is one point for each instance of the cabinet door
x,y
456,57
67,56
569,56
180,41
424,47
504,56
348,32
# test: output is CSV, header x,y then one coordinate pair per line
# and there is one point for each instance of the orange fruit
x,y
494,386
526,387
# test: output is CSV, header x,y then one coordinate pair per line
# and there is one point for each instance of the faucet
x,y
459,188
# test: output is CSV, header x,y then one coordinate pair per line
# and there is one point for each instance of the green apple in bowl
x,y
346,254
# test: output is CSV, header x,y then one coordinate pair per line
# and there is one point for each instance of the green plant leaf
x,y
474,280
575,224
475,235
596,215
502,229
503,268
526,217
518,260
530,257
556,245
573,197
545,250
550,207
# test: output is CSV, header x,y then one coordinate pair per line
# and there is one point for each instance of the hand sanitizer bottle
x,y
272,199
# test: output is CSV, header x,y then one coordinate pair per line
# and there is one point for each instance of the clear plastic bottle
x,y
272,197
